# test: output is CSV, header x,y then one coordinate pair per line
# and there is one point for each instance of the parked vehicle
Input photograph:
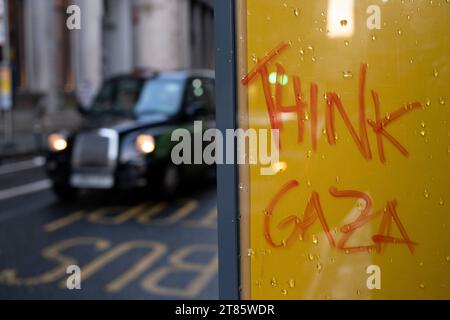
x,y
125,139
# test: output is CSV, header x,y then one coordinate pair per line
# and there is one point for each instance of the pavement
x,y
128,246
30,129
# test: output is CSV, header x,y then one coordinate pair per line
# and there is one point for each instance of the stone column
x,y
161,34
87,50
118,38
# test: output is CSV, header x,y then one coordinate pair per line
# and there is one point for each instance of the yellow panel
x,y
373,190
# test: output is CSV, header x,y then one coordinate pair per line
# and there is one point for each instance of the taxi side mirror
x,y
83,110
196,109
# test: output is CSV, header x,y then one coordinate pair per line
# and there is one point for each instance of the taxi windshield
x,y
118,96
160,96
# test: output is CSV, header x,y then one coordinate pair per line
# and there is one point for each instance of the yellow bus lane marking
x,y
146,216
102,215
64,221
178,263
143,214
179,214
53,253
157,250
208,221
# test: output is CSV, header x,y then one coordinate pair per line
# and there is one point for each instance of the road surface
x,y
127,246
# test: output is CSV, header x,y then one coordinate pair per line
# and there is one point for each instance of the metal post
x,y
7,110
227,175
52,93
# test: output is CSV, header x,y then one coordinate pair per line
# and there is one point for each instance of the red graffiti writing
x,y
276,108
313,212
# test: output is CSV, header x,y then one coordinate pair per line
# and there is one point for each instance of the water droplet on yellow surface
x,y
296,12
314,239
313,59
374,37
441,202
358,292
421,264
284,291
347,74
447,258
344,22
426,194
435,73
421,286
307,115
311,257
441,101
292,283
273,282
346,42
319,267
423,133
399,32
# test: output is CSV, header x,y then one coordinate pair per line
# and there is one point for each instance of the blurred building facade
x,y
116,37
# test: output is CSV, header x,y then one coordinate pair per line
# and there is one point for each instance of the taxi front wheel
x,y
65,193
171,181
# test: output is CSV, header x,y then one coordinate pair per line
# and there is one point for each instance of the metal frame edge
x,y
227,174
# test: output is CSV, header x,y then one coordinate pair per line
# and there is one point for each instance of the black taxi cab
x,y
125,141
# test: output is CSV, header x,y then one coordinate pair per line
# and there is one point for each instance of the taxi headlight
x,y
57,142
145,143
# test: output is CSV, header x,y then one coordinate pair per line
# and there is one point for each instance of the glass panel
x,y
359,93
